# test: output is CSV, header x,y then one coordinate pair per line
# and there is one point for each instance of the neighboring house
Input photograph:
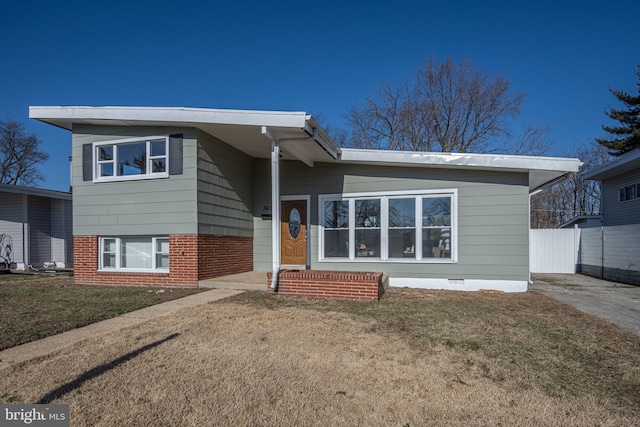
x,y
35,227
171,196
613,252
583,221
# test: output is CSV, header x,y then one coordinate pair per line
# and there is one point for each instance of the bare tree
x,y
20,155
572,196
532,140
466,107
448,107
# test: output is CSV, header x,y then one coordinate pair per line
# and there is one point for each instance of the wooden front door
x,y
293,232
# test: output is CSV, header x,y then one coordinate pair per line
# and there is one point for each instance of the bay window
x,y
134,253
395,226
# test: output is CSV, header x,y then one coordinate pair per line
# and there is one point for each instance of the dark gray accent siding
x,y
224,189
39,230
493,215
142,207
87,162
61,231
175,154
614,211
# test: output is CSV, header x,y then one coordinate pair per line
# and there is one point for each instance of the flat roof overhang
x,y
542,171
300,138
33,191
250,131
628,162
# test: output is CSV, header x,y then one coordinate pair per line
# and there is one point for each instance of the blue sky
x,y
318,57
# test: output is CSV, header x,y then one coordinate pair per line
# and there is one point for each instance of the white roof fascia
x,y
542,171
170,114
322,138
462,160
604,171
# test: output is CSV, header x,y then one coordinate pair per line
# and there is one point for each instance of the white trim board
x,y
459,284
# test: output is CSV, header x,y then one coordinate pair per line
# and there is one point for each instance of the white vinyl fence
x,y
554,250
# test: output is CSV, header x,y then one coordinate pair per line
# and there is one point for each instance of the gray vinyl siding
x,y
61,231
39,214
493,215
145,207
614,211
13,218
224,189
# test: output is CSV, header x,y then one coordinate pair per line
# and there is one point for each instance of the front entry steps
x,y
355,285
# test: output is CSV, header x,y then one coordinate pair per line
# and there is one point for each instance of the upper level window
x,y
629,192
128,159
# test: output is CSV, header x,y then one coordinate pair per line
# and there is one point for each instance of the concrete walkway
x,y
616,303
250,281
24,352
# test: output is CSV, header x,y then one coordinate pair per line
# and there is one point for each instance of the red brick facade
x,y
224,255
330,284
192,257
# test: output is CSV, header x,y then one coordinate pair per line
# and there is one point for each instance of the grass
x,y
37,306
529,339
415,358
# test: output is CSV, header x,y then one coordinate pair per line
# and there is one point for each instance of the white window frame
x,y
384,214
114,143
622,192
118,245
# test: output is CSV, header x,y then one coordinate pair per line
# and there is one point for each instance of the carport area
x,y
616,303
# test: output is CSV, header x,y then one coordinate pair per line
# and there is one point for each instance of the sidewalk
x,y
34,349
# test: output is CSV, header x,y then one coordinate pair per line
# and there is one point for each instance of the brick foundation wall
x,y
224,255
330,284
192,257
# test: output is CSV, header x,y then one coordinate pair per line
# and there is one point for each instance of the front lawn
x,y
415,358
36,306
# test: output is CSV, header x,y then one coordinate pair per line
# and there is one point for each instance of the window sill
x,y
131,178
133,270
392,260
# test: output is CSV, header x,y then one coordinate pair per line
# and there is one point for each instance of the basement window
x,y
134,253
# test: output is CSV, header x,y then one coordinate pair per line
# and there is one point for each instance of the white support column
x,y
275,211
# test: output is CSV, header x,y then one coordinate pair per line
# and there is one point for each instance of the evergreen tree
x,y
626,136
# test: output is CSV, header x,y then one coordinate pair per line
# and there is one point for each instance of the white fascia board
x,y
65,116
462,160
322,138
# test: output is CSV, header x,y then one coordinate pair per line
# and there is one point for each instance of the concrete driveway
x,y
616,303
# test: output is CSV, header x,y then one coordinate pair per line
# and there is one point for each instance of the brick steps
x,y
367,286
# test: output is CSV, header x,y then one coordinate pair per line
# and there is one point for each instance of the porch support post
x,y
275,211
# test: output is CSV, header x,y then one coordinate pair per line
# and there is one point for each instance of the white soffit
x,y
239,128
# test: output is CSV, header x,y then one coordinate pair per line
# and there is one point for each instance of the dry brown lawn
x,y
415,358
34,306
